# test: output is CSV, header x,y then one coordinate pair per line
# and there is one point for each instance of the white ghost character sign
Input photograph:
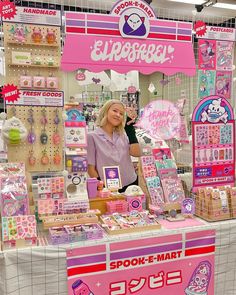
x,y
215,113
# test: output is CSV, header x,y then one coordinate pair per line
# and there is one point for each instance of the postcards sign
x,y
130,38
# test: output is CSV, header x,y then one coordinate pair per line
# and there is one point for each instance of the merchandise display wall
x,y
60,198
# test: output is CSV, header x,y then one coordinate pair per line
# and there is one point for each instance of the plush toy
x,y
14,131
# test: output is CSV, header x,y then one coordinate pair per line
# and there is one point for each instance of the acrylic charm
x,y
50,37
57,158
43,138
52,82
25,81
44,158
31,159
39,82
19,33
56,138
36,35
31,138
44,121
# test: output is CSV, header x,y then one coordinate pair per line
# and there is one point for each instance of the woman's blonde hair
x,y
102,116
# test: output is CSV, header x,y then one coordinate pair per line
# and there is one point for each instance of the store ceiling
x,y
163,8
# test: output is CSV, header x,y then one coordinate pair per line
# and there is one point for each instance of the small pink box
x,y
52,82
103,194
39,82
26,81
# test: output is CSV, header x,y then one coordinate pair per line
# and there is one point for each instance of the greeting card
x,y
224,55
206,83
161,153
172,186
223,83
207,54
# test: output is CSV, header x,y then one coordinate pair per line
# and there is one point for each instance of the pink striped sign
x,y
109,25
104,42
165,265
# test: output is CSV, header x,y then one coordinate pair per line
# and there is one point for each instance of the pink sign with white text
x,y
128,39
165,265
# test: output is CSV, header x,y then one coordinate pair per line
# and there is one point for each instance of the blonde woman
x,y
113,142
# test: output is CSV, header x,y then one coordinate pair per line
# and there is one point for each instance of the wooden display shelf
x,y
100,203
131,230
32,44
69,219
33,66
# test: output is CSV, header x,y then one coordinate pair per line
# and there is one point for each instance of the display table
x,y
42,270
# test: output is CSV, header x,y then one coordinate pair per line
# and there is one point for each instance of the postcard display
x,y
33,54
213,130
215,68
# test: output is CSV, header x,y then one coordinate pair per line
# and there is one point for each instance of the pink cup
x,y
92,184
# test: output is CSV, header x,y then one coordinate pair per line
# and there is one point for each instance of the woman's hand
x,y
132,114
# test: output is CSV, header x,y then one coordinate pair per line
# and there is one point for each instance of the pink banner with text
x,y
172,264
132,40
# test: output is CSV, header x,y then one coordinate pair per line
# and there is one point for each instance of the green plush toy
x,y
14,131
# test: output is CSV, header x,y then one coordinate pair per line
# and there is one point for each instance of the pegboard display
x,y
32,59
53,148
32,51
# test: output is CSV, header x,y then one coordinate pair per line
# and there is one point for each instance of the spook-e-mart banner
x,y
130,38
173,264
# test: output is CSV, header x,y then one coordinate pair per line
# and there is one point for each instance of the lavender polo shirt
x,y
106,151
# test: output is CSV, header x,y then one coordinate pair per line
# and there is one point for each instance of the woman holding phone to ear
x,y
114,142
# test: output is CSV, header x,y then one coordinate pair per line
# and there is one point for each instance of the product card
x,y
21,58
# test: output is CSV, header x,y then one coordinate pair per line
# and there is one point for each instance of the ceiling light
x,y
225,5
198,2
210,3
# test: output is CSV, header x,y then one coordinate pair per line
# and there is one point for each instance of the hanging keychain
x,y
56,138
31,158
44,121
57,157
44,158
31,135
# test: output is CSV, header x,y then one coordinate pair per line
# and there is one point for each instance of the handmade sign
x,y
213,142
130,38
161,119
166,265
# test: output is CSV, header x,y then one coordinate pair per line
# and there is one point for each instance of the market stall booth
x,y
64,232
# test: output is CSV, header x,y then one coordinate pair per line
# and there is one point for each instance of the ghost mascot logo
x,y
134,24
